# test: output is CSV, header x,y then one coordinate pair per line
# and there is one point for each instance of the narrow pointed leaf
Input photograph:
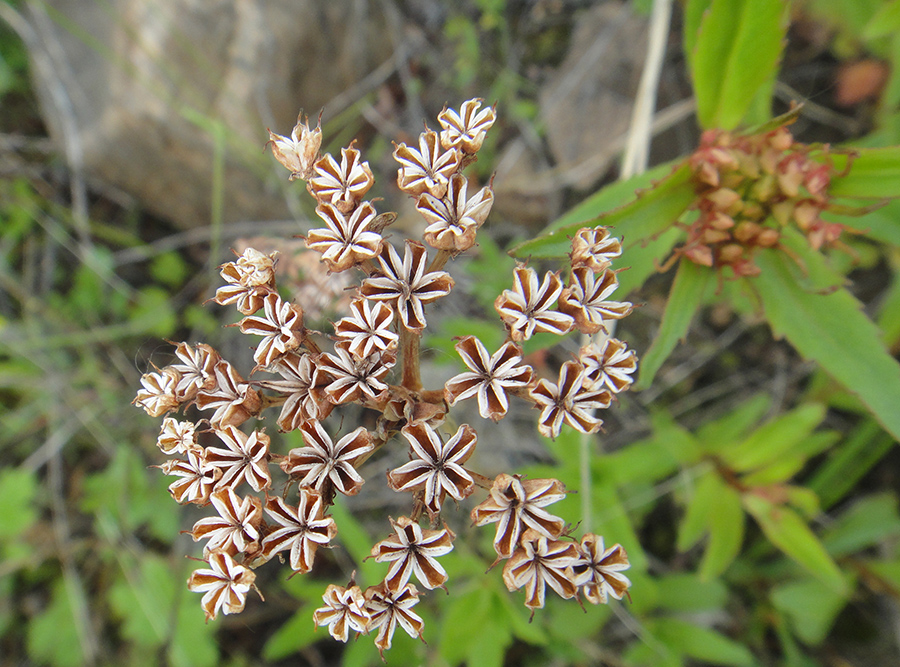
x,y
684,300
736,52
786,530
652,212
874,173
726,533
775,439
832,330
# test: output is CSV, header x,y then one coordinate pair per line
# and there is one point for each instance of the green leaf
x,y
688,592
775,439
832,330
810,607
652,212
696,520
849,462
693,16
886,21
737,51
18,488
874,174
726,533
53,634
723,432
299,632
705,645
786,530
684,300
867,522
472,631
785,467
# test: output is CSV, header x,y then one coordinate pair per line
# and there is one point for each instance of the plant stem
x,y
409,358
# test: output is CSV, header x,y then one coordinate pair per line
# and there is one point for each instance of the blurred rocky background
x,y
151,99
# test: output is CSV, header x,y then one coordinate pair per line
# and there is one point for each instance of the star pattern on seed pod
x,y
299,152
245,458
249,280
539,562
342,185
405,284
368,328
454,220
232,399
345,379
224,585
569,402
300,380
281,328
387,609
302,529
236,528
344,610
594,249
600,570
326,465
527,307
412,550
610,364
347,239
586,300
196,369
197,477
467,128
157,397
489,377
517,505
426,169
176,437
436,468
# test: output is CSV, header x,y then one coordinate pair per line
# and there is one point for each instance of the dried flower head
x,y
341,185
454,220
490,377
427,169
600,570
249,280
538,563
526,308
348,238
516,505
300,151
388,608
436,468
326,465
345,610
569,401
466,130
412,550
301,530
405,284
224,585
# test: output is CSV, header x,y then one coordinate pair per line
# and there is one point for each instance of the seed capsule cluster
x,y
374,362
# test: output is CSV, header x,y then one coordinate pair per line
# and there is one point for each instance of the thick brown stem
x,y
439,260
409,358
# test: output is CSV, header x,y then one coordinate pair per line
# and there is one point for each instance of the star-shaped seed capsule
x,y
436,468
326,465
569,401
527,307
405,285
301,529
413,551
489,377
347,240
224,585
538,563
517,505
